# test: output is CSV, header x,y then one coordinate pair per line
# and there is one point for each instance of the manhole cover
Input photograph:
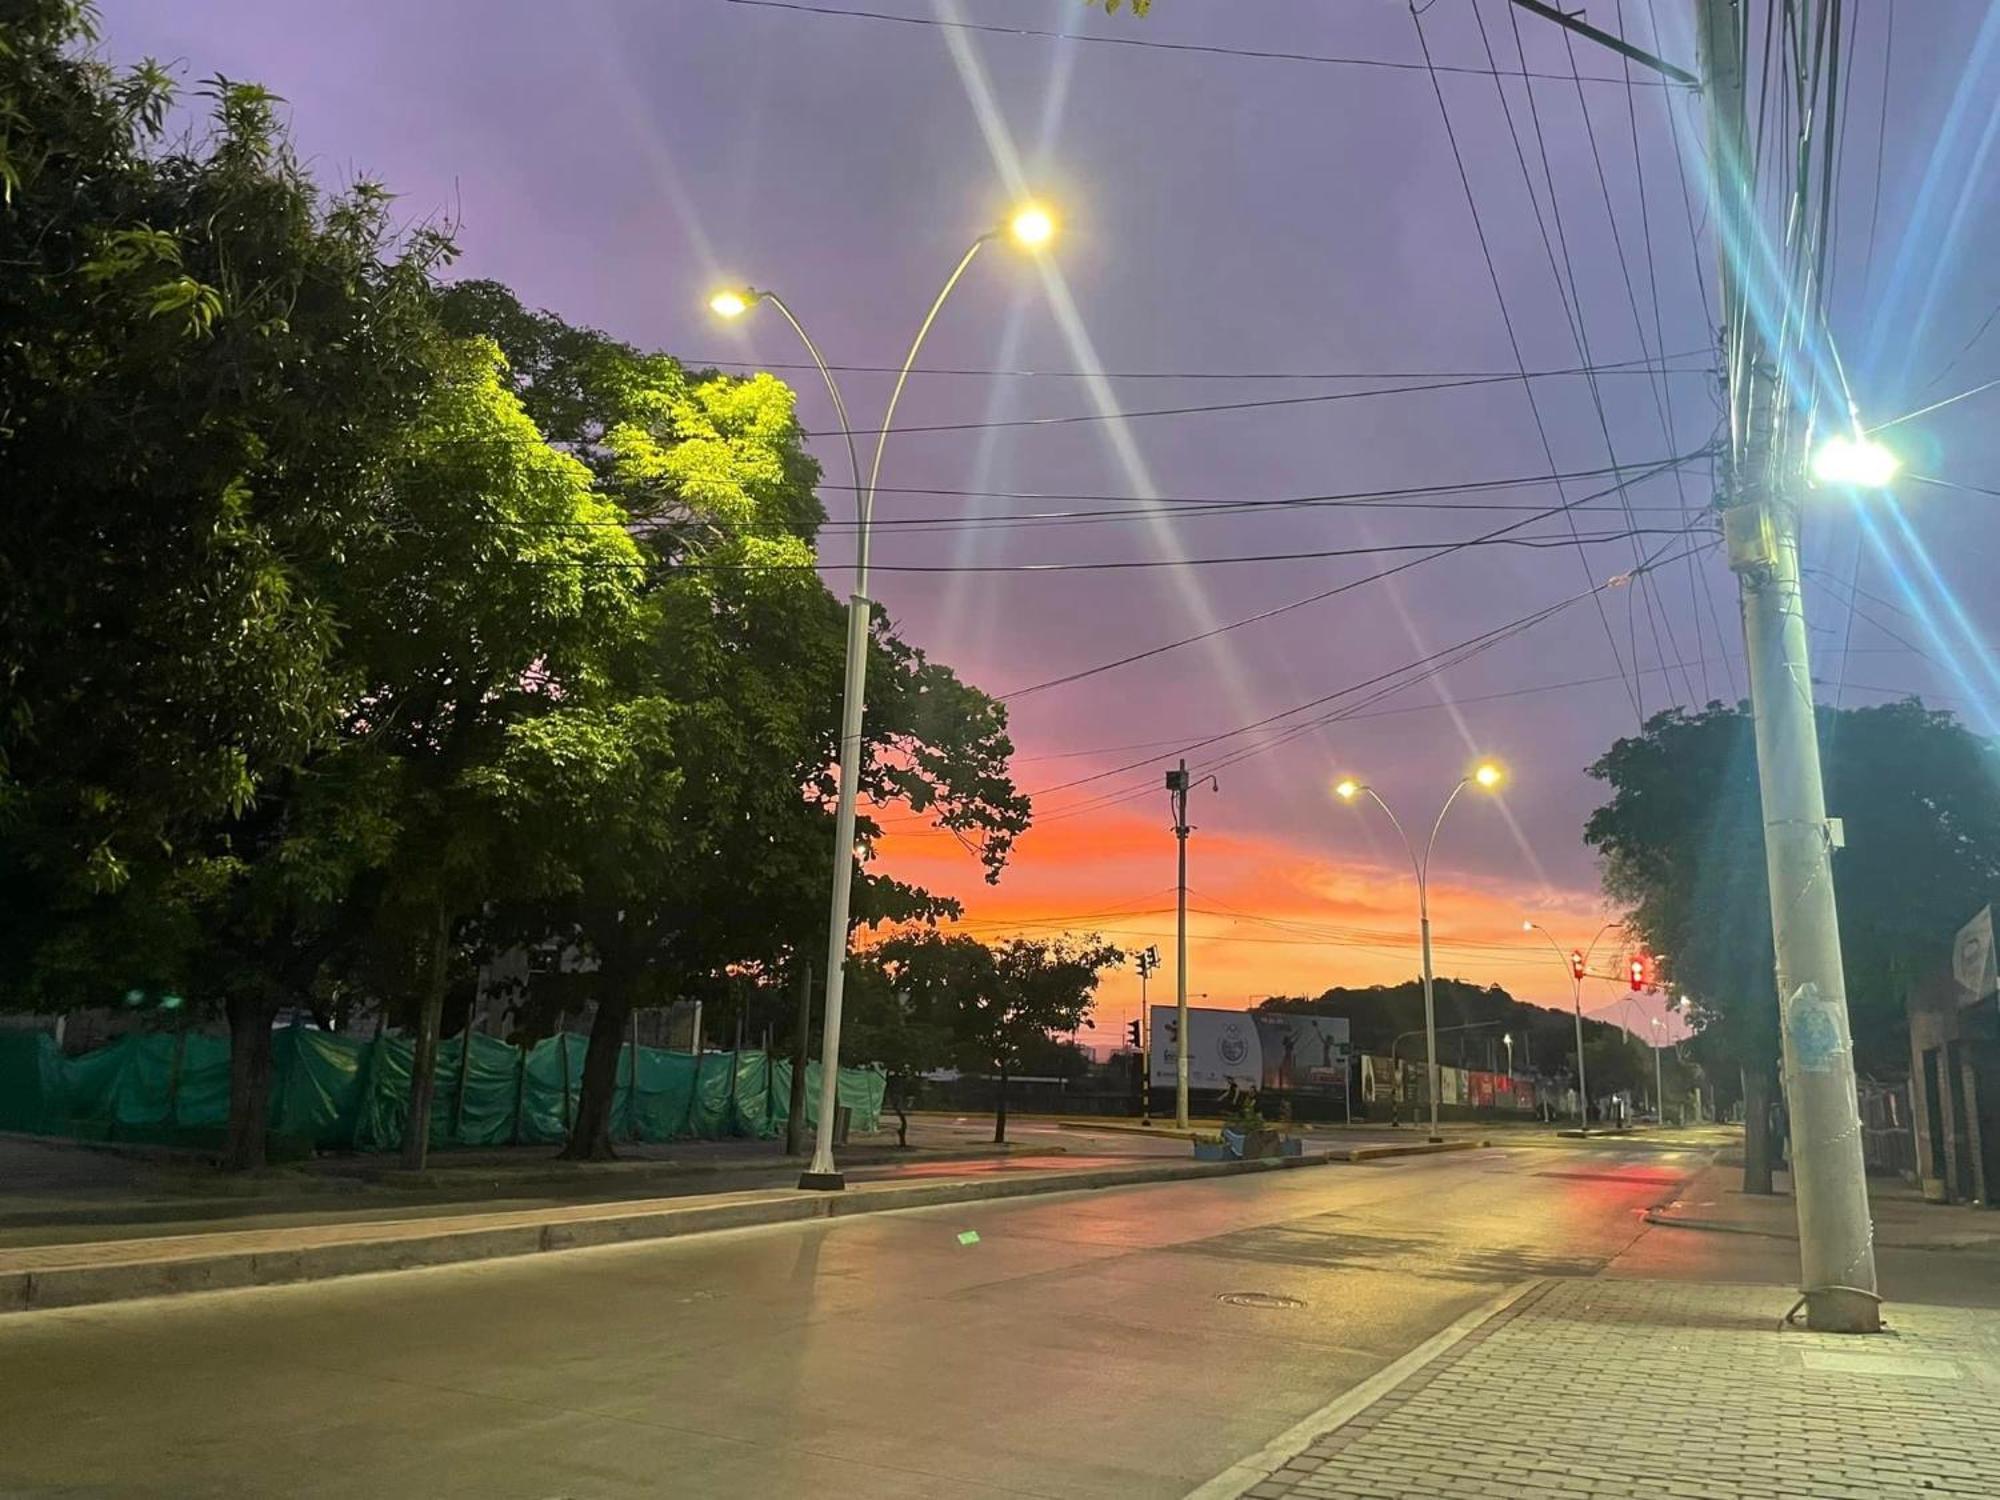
x,y
1260,1299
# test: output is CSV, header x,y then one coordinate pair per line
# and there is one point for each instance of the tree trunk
x,y
423,1062
249,1081
1000,1110
1757,1129
795,1119
590,1136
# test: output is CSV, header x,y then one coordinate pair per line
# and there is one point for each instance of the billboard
x,y
1292,1053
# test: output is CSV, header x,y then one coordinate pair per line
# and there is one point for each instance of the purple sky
x,y
614,162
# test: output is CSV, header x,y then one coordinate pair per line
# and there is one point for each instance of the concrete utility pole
x,y
1177,787
1763,477
1759,503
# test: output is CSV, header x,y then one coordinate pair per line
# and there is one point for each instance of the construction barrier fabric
x,y
344,1093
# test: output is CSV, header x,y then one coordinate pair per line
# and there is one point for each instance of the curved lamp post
x,y
1486,776
1578,963
1031,227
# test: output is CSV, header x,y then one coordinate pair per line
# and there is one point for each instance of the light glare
x,y
1859,461
1346,789
729,304
1488,775
1032,227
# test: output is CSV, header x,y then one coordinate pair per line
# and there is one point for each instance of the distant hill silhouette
x,y
1544,1039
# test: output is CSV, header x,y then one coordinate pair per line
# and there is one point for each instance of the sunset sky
x,y
1222,215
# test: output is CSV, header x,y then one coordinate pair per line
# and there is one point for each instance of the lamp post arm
x,y
889,413
1463,783
1397,824
1550,939
832,389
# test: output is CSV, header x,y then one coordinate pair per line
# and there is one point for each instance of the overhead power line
x,y
1500,297
1155,44
1645,366
1280,609
1129,564
1266,403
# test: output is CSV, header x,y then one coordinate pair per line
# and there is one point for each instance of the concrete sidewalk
x,y
1903,1219
1636,1388
70,1274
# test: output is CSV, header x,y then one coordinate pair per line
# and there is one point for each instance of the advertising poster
x,y
1291,1053
1379,1079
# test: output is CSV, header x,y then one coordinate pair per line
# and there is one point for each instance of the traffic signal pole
x,y
1576,968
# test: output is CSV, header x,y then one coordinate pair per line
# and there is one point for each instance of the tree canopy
x,y
354,623
1683,851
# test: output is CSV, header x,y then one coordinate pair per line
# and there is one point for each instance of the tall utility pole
x,y
1177,788
1761,484
1759,500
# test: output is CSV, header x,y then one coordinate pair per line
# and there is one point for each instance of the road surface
x,y
1124,1343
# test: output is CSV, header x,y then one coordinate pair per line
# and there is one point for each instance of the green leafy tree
x,y
1682,845
745,644
1010,999
897,1016
202,384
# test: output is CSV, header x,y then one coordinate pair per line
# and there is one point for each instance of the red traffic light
x,y
1576,962
1638,973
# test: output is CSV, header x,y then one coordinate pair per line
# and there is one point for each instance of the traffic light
x,y
1132,1034
1576,963
1638,972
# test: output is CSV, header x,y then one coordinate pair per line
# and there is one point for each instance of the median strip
x,y
73,1275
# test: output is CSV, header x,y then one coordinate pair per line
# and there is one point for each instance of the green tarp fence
x,y
342,1093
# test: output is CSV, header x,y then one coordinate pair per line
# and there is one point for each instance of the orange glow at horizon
x,y
1264,917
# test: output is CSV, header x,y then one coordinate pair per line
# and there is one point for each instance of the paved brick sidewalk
x,y
1634,1389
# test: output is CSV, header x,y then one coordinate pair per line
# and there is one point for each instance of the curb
x,y
1415,1148
229,1270
1294,1440
1718,1226
455,1185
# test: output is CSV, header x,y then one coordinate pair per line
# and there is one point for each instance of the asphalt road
x,y
1087,1344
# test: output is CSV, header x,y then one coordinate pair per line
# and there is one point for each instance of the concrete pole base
x,y
1843,1309
822,1182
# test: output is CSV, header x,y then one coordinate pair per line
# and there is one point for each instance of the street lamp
x,y
1486,775
1031,227
1577,961
1507,1038
1855,459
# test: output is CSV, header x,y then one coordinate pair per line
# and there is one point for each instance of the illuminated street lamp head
x,y
731,302
1487,774
1856,460
1347,789
1527,926
1031,226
